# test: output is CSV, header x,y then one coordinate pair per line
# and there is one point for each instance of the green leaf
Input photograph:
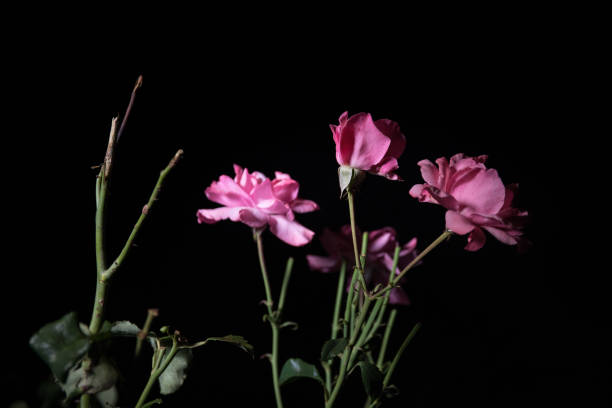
x,y
296,368
175,373
98,378
108,398
230,338
372,379
332,348
124,328
61,344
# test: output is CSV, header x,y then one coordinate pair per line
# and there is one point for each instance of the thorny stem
x,y
151,314
156,372
347,306
399,353
285,285
129,107
102,273
339,291
272,319
145,211
385,340
101,187
351,201
397,357
385,299
335,323
443,237
346,354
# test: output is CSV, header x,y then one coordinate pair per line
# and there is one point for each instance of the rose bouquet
x,y
371,267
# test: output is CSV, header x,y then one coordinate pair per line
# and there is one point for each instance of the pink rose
x,y
379,258
257,201
368,145
475,198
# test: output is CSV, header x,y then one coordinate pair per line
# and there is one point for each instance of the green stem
x,y
274,361
385,303
155,373
145,211
272,319
399,353
346,354
364,332
339,292
85,401
443,237
347,307
264,272
101,190
285,285
335,323
327,367
351,201
385,341
151,314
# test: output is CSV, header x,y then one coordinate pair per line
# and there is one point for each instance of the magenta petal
x,y
458,223
210,216
429,172
434,195
399,297
265,199
362,145
392,130
387,167
476,240
416,191
382,240
502,235
304,206
285,189
281,176
323,263
253,217
289,231
227,192
409,246
485,192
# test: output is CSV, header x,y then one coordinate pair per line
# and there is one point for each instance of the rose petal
x,y
285,189
227,192
382,240
362,145
484,192
253,217
210,216
304,206
392,130
266,200
387,167
399,297
323,263
476,240
458,223
289,231
429,172
502,236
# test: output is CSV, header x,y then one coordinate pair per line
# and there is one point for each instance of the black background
x,y
499,328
